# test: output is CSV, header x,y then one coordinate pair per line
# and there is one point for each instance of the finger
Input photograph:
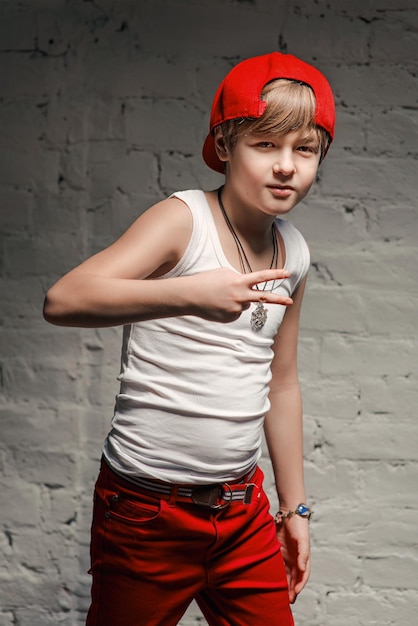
x,y
303,561
291,583
263,276
300,585
303,575
268,297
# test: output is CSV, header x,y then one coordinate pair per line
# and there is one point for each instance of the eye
x,y
309,148
265,144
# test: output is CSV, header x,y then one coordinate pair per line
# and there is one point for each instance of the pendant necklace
x,y
259,315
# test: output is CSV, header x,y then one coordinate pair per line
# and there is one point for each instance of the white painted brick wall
x,y
103,109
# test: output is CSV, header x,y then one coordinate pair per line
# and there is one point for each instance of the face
x,y
271,173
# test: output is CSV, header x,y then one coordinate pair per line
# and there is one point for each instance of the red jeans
x,y
151,557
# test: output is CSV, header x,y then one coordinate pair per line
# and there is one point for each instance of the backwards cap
x,y
239,95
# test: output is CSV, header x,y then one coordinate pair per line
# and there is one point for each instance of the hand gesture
x,y
221,295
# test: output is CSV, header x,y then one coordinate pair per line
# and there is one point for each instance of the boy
x,y
208,286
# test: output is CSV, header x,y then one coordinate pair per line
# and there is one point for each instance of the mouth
x,y
281,191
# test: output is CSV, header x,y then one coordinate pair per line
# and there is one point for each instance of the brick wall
x,y
103,109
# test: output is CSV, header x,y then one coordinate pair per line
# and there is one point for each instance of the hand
x,y
221,295
293,534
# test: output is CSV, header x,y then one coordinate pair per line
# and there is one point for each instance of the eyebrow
x,y
311,138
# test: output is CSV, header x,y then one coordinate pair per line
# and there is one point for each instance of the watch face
x,y
303,510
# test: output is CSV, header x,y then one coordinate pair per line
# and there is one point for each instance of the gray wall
x,y
103,109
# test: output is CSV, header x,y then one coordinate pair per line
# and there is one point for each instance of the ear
x,y
220,147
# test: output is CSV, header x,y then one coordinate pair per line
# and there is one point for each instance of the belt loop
x,y
248,493
173,495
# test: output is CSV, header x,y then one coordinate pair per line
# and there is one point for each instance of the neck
x,y
251,225
244,261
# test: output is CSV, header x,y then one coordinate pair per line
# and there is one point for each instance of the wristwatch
x,y
302,510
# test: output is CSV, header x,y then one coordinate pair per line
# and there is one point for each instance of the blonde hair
x,y
290,107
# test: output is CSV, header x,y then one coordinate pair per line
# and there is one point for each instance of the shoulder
x,y
172,209
164,231
154,242
168,219
290,233
298,256
180,208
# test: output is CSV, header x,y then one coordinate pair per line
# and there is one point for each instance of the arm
x,y
120,285
283,430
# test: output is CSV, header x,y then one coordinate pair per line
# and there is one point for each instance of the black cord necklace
x,y
259,315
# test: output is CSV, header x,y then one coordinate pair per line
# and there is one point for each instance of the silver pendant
x,y
258,316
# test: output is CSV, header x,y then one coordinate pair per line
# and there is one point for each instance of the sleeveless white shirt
x,y
194,393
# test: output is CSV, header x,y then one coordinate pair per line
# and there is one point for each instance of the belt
x,y
215,496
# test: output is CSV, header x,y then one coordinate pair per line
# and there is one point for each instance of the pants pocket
x,y
133,511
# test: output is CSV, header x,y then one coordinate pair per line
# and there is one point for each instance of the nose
x,y
284,164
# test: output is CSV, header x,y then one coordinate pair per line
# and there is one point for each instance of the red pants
x,y
151,557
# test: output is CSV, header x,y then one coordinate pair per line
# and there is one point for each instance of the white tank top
x,y
194,393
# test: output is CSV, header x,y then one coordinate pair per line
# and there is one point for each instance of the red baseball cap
x,y
239,95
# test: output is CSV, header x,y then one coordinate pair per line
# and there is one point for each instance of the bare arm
x,y
283,429
121,284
